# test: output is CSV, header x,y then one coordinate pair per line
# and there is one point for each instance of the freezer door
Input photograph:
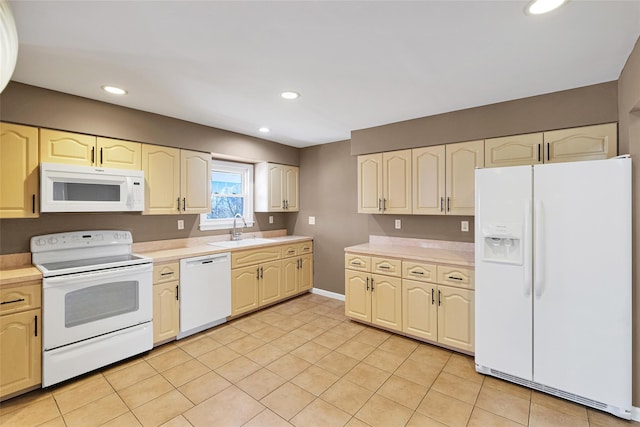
x,y
582,279
503,270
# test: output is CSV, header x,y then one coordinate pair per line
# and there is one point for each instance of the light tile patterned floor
x,y
299,363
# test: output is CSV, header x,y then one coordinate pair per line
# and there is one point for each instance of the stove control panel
x,y
80,239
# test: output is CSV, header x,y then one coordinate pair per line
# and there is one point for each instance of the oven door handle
x,y
110,274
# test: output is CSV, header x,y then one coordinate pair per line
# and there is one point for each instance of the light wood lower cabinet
x,y
245,294
269,284
166,306
430,302
20,339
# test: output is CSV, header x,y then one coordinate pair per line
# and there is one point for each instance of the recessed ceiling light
x,y
114,90
264,130
538,7
290,95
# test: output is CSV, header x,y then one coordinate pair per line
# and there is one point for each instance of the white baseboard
x,y
327,294
635,413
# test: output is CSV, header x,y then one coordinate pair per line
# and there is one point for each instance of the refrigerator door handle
x,y
527,248
538,245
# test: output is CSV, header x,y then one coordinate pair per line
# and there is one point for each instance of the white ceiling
x,y
357,64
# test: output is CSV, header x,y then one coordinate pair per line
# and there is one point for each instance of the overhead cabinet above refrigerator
x,y
553,279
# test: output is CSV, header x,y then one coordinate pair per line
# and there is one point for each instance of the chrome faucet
x,y
235,234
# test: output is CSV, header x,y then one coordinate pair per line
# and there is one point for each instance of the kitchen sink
x,y
242,243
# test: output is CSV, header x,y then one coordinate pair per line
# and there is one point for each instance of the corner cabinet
x,y
176,181
276,188
20,339
430,302
384,183
166,306
19,183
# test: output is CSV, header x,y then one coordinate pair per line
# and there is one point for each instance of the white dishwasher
x,y
205,292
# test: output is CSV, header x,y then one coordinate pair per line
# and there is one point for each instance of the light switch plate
x,y
312,220
464,225
181,224
398,224
270,219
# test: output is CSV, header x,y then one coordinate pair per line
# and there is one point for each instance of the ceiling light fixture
x,y
538,7
290,95
264,130
114,90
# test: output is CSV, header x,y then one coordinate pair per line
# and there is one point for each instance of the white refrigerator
x,y
553,279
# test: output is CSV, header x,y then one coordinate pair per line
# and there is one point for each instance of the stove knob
x,y
41,242
53,240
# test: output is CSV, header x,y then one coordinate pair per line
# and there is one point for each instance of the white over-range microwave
x,y
71,188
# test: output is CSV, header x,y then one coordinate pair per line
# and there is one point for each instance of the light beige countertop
x,y
16,270
434,251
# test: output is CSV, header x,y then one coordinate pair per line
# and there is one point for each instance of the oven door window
x,y
100,302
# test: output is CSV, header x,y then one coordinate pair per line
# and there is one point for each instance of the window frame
x,y
246,169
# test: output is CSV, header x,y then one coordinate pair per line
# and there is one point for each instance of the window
x,y
231,194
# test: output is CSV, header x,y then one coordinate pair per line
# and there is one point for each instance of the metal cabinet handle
x,y
258,273
372,284
441,204
178,204
439,298
433,292
448,204
384,204
33,203
454,278
356,263
93,155
539,147
168,273
417,272
548,151
36,328
379,204
100,155
261,273
184,204
177,291
12,301
367,283
283,206
291,251
384,267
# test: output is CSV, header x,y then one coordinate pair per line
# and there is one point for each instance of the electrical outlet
x,y
181,224
312,220
270,219
464,225
398,224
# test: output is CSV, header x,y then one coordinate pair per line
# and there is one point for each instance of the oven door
x,y
84,305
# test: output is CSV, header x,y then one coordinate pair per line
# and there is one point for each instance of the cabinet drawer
x,y
255,256
456,276
386,266
289,250
357,262
166,272
305,247
419,271
20,298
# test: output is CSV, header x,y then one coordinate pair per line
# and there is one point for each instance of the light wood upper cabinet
x,y
384,182
513,150
370,183
456,317
276,188
115,153
195,181
583,143
461,161
428,168
18,171
161,166
176,181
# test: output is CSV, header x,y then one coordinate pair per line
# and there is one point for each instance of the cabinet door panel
x,y
357,295
244,289
20,351
428,170
167,272
270,278
370,183
419,310
66,147
386,301
195,181
255,256
276,195
114,153
166,315
20,298
583,143
290,276
161,166
456,317
290,189
396,187
513,150
462,160
18,171
306,273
